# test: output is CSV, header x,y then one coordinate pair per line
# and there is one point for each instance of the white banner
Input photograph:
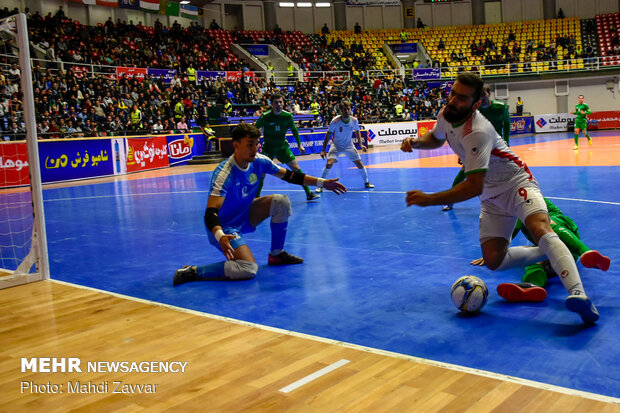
x,y
390,133
556,122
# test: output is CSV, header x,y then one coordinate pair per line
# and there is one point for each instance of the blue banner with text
x,y
75,159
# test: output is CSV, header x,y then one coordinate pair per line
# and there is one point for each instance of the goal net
x,y
23,246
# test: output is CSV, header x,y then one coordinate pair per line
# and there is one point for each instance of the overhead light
x,y
322,4
185,2
304,4
286,4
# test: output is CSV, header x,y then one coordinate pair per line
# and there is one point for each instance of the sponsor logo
x,y
179,149
541,122
371,135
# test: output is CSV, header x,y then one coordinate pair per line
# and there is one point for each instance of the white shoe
x,y
319,190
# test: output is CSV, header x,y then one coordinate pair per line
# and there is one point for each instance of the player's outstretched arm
x,y
428,141
333,185
299,178
472,186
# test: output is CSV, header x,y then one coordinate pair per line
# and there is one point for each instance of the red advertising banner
x,y
604,120
425,126
235,75
147,153
14,169
130,72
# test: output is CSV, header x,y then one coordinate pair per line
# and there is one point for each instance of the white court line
x,y
291,190
428,362
583,200
313,376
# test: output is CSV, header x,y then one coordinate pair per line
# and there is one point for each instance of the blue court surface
x,y
376,273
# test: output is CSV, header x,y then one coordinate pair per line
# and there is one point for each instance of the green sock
x,y
588,136
576,140
460,177
535,274
572,241
306,188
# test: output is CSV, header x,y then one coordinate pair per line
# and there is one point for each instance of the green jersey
x,y
581,117
497,114
275,128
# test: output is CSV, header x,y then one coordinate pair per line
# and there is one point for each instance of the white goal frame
x,y
38,254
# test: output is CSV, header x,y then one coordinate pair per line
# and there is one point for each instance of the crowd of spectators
x,y
69,106
355,58
72,104
127,44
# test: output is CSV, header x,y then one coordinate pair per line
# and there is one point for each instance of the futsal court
x,y
376,273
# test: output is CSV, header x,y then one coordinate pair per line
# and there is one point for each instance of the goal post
x,y
23,240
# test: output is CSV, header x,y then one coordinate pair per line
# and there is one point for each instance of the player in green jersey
x,y
536,275
581,121
275,124
497,113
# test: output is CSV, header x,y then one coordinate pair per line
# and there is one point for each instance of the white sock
x,y
364,173
520,257
325,173
561,261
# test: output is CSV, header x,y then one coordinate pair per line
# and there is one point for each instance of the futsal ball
x,y
469,294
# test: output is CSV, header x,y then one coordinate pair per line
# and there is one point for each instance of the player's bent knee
x,y
240,269
280,208
492,265
493,260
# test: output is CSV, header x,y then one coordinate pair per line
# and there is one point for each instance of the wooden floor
x,y
231,367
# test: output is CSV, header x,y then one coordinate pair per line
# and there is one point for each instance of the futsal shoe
x,y
594,259
284,258
368,185
447,207
575,148
521,292
590,142
582,305
319,190
312,196
185,274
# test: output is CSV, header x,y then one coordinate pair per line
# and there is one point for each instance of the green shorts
x,y
283,154
581,124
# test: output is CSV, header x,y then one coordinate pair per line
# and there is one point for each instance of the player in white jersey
x,y
342,128
233,209
506,188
